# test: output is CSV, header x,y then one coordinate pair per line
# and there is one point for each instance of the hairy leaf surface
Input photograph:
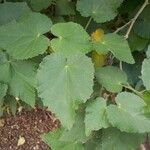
x,y
111,78
25,39
63,83
128,115
99,10
71,38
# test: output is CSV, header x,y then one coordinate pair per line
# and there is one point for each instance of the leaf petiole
x,y
133,90
88,23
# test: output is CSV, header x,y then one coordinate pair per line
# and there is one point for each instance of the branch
x,y
135,18
132,21
88,23
133,90
122,27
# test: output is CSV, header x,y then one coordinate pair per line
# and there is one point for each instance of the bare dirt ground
x,y
23,131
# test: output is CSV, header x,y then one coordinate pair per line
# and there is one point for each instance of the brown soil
x,y
28,127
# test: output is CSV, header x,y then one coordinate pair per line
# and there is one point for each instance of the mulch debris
x,y
23,131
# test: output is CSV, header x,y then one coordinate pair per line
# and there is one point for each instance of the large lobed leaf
x,y
128,114
24,39
12,11
20,76
63,83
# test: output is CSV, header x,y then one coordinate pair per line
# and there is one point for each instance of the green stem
x,y
135,18
133,90
88,23
120,65
122,27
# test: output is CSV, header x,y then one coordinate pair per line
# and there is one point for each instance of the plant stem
x,y
135,18
122,27
132,89
120,65
88,23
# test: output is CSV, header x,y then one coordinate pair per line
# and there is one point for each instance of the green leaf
x,y
65,7
12,11
136,42
114,139
148,52
111,78
38,5
95,117
99,10
5,71
64,83
146,97
22,84
20,76
3,90
129,6
71,38
133,71
146,73
117,45
25,39
128,114
77,132
142,24
52,139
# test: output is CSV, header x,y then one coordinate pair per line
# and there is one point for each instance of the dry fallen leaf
x,y
21,141
2,122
